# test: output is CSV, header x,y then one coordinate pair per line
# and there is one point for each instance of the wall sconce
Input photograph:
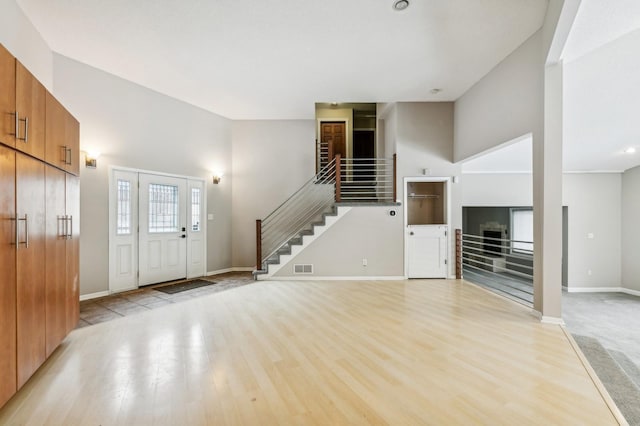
x,y
91,159
217,177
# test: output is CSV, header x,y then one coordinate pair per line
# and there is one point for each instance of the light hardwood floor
x,y
369,352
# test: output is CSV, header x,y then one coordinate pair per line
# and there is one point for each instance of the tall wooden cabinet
x,y
39,225
8,382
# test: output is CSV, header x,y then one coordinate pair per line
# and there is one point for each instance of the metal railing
x,y
370,180
296,214
323,155
367,179
500,264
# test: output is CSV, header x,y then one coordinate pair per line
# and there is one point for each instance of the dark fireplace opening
x,y
488,245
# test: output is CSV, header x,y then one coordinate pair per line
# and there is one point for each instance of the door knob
x,y
183,236
411,233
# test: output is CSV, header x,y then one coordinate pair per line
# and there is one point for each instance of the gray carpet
x,y
623,391
612,318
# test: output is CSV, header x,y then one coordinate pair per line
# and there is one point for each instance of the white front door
x,y
163,228
427,251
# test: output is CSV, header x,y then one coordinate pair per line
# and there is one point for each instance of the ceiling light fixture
x,y
630,150
399,5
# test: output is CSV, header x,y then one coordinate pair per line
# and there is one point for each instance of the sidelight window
x,y
123,226
195,209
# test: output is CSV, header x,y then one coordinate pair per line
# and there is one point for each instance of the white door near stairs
x,y
427,251
157,228
426,201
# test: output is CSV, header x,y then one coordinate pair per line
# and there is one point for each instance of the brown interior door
x,y
8,281
334,135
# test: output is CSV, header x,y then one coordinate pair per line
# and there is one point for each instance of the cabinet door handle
x,y
17,127
63,151
16,220
26,129
70,234
26,231
67,156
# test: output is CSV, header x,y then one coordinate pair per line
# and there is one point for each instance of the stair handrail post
x,y
458,254
258,244
395,171
338,178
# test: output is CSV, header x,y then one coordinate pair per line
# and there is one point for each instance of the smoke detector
x,y
400,5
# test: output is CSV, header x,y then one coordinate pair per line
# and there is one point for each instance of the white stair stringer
x,y
307,240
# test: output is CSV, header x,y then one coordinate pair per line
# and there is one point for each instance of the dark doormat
x,y
183,286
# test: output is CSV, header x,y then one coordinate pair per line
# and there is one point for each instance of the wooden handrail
x,y
458,254
395,172
258,244
338,178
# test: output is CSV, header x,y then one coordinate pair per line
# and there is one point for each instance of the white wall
x,y
594,206
499,190
23,40
135,127
504,104
271,160
631,229
362,233
424,139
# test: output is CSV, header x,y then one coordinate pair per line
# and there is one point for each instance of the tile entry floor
x,y
119,305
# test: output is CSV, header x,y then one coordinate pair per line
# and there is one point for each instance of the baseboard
x,y
629,291
96,295
547,319
317,278
603,290
234,269
551,320
594,289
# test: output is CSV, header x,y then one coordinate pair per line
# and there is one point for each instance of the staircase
x,y
300,241
317,205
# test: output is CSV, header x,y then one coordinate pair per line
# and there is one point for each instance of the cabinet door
x,y
73,144
73,252
30,105
30,289
56,150
8,277
56,227
7,98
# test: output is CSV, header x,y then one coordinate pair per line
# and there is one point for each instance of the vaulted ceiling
x,y
251,59
256,59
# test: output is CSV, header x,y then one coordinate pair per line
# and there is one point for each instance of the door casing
x,y
447,181
133,283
